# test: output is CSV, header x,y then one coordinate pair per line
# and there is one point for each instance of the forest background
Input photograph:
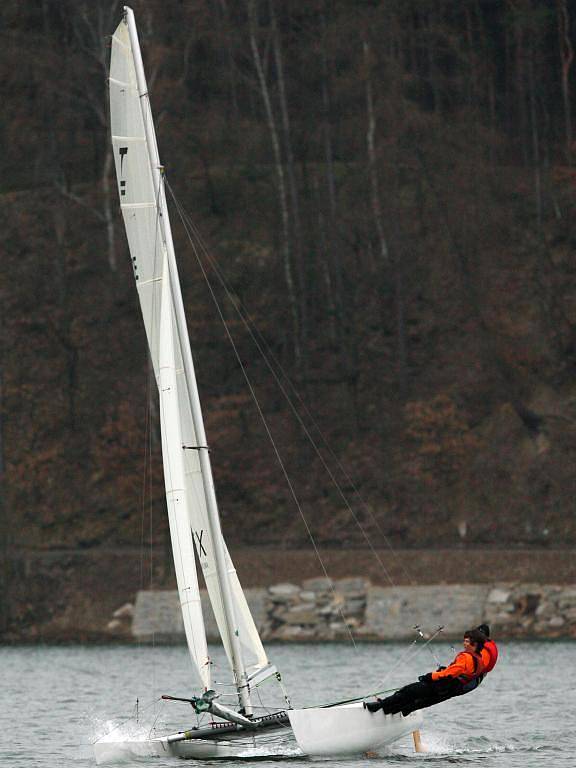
x,y
388,190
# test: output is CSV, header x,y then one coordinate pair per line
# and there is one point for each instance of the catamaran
x,y
196,535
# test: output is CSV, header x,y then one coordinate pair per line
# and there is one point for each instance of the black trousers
x,y
421,695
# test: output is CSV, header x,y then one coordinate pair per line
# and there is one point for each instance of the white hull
x,y
348,729
320,732
195,749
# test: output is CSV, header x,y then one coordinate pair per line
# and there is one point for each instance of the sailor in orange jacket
x,y
460,677
467,668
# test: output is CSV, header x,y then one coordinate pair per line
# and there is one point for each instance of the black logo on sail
x,y
199,546
123,151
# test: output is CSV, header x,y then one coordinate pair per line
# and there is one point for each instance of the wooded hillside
x,y
388,189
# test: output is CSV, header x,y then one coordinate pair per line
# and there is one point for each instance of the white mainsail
x,y
142,202
139,209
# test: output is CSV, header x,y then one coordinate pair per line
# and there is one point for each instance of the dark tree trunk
x,y
566,59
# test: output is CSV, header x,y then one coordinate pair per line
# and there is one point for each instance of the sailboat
x,y
195,530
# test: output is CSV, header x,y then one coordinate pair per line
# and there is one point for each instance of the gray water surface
x,y
56,701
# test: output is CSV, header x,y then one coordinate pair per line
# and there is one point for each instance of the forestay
x,y
147,248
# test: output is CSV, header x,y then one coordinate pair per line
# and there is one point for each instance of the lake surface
x,y
56,701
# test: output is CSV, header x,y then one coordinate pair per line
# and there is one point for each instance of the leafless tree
x,y
4,517
260,66
566,59
91,25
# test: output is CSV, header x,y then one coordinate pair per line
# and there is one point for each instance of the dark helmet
x,y
485,629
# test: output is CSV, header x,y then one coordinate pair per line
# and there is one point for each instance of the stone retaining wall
x,y
322,609
157,615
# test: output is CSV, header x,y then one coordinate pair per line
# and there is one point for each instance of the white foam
x,y
116,741
435,744
110,731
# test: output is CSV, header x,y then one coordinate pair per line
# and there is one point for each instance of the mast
x,y
238,667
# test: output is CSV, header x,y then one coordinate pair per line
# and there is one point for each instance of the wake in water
x,y
440,746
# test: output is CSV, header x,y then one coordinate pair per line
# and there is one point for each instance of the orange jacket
x,y
466,666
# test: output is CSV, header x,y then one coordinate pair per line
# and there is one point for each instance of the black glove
x,y
440,668
427,679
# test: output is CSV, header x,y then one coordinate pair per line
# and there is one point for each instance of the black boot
x,y
373,706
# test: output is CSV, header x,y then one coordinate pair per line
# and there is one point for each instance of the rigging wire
x,y
423,636
185,222
268,355
153,726
199,247
411,653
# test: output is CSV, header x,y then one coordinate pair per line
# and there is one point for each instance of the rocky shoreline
x,y
320,610
109,595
